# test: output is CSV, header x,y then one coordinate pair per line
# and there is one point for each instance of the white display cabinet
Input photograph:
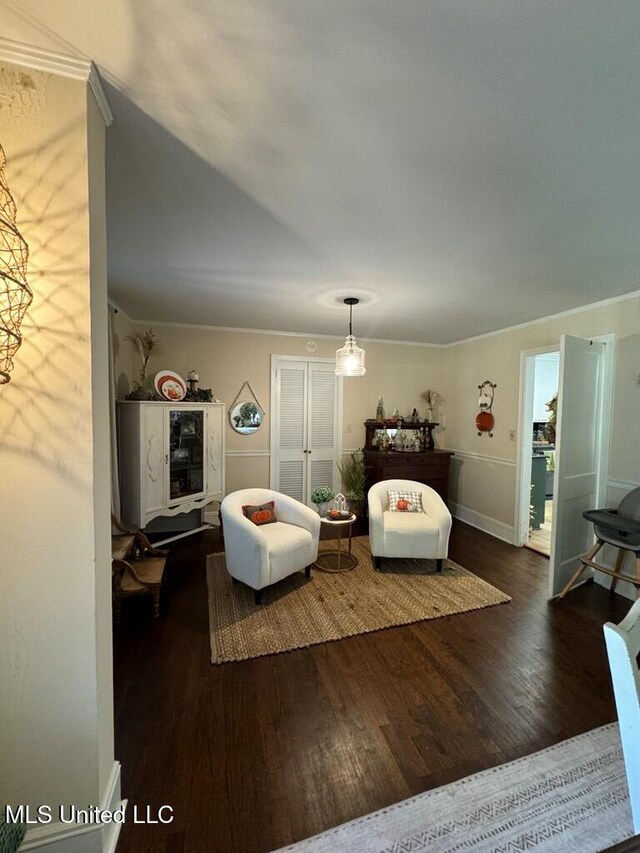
x,y
171,458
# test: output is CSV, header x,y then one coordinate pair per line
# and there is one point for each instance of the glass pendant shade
x,y
350,359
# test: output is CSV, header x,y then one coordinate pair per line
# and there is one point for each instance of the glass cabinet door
x,y
186,453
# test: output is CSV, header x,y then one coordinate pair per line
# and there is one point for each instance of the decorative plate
x,y
170,385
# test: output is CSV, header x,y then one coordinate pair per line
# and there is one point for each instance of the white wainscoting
x,y
486,523
483,522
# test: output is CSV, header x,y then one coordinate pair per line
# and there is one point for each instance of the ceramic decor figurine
x,y
380,411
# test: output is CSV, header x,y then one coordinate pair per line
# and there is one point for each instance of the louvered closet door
x,y
322,433
291,439
305,443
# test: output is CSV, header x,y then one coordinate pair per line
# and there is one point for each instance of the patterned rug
x,y
570,798
299,612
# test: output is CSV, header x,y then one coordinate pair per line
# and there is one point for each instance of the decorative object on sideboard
x,y
380,410
144,343
484,419
170,386
192,379
197,395
15,293
433,399
350,357
245,415
322,498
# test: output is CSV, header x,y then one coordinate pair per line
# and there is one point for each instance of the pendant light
x,y
350,357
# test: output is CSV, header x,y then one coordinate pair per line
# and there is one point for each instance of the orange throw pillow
x,y
262,514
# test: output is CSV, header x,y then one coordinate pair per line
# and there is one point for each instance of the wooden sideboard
x,y
428,466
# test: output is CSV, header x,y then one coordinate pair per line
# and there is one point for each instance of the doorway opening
x,y
579,465
542,431
539,379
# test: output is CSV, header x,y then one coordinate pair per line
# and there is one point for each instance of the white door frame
x,y
273,437
525,419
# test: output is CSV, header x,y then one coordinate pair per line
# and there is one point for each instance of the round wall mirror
x,y
246,417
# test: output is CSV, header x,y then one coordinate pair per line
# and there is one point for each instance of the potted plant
x,y
353,481
144,343
322,497
552,406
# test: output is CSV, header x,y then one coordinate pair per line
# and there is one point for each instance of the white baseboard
x,y
489,525
59,837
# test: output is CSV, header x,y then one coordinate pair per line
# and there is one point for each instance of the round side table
x,y
337,560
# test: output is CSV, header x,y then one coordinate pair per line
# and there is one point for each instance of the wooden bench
x,y
137,568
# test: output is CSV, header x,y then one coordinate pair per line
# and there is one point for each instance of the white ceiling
x,y
459,165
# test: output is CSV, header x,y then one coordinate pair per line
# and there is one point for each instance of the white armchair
x,y
422,535
263,555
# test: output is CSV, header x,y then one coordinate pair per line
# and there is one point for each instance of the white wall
x,y
484,469
56,730
224,359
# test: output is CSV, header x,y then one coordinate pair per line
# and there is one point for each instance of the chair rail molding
x,y
623,485
483,457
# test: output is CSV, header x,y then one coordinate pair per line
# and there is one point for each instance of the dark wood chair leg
x,y
258,596
438,565
156,601
377,561
307,572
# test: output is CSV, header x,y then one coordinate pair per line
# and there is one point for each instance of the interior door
x,y
289,471
578,445
322,428
305,443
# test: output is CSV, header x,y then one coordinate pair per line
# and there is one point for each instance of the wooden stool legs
x,y
588,562
583,565
617,569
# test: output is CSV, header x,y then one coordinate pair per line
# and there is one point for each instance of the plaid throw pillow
x,y
403,501
262,514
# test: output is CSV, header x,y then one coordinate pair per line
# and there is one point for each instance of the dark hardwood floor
x,y
254,755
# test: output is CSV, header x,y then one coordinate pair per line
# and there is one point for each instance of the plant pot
x,y
323,508
356,507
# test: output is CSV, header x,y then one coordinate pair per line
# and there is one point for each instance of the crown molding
x,y
581,309
278,333
592,306
40,59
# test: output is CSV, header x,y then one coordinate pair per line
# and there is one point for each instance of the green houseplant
x,y
353,480
322,497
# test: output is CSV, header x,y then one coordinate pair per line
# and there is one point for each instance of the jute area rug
x,y
299,612
570,798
